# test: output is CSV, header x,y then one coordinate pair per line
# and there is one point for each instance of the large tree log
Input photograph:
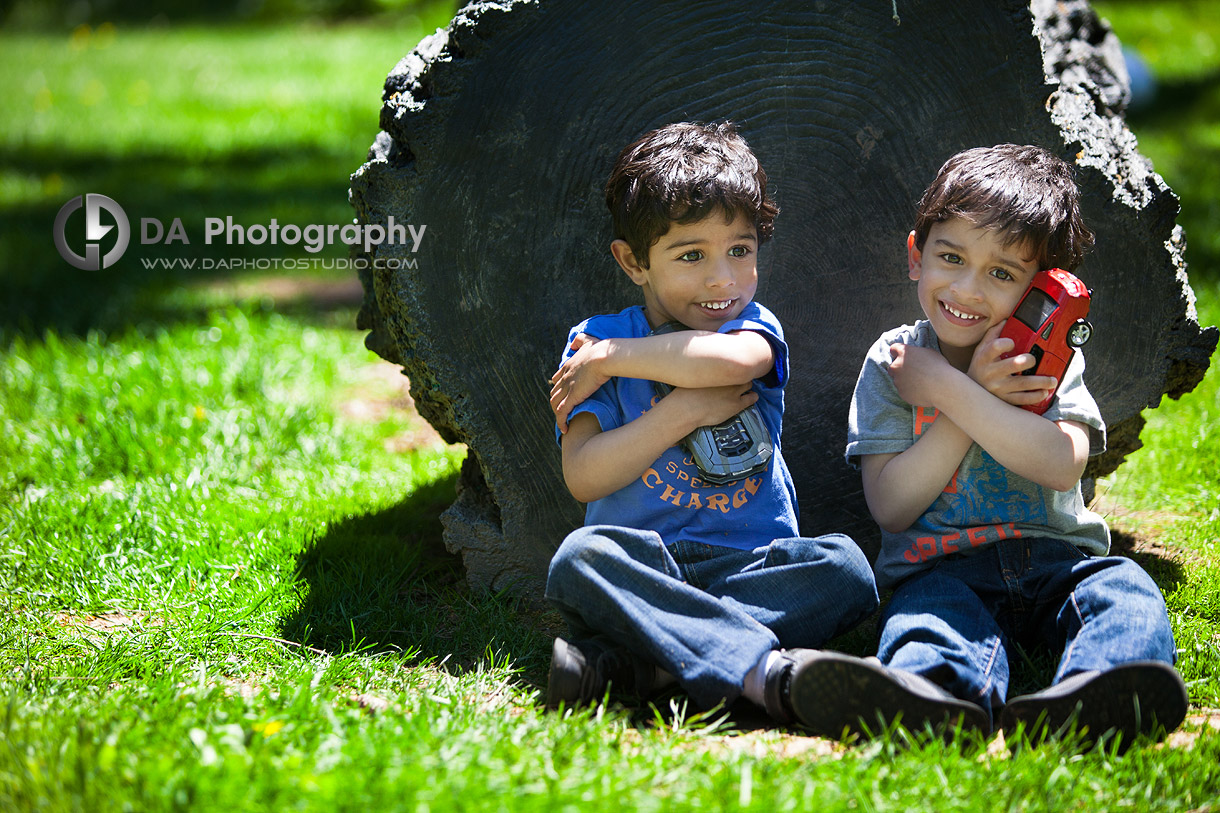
x,y
499,132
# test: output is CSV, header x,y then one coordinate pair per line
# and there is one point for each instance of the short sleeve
x,y
1074,402
761,320
879,421
602,404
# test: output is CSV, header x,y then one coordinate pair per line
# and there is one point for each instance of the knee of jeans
x,y
840,560
577,553
1126,590
853,563
829,547
1123,579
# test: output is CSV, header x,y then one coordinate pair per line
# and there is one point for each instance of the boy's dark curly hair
x,y
681,173
1026,193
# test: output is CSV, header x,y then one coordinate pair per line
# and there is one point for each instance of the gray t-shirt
x,y
984,502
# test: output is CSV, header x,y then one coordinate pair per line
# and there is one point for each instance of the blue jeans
x,y
707,614
955,623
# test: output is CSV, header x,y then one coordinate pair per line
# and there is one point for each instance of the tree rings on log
x,y
498,134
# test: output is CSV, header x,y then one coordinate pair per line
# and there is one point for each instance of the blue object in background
x,y
1143,82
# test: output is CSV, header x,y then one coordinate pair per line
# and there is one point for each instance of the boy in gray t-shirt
x,y
986,541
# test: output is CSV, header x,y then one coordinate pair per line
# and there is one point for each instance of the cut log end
x,y
498,134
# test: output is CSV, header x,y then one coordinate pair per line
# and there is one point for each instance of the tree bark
x,y
498,133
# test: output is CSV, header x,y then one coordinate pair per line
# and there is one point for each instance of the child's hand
x,y
708,406
915,370
575,381
1002,376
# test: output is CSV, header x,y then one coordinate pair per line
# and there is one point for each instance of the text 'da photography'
x,y
93,232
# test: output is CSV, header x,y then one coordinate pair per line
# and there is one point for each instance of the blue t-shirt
x,y
670,498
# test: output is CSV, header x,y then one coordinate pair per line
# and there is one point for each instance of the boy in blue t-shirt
x,y
674,578
986,541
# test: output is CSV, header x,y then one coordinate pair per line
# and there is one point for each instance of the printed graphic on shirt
x,y
993,497
985,510
679,485
932,545
681,490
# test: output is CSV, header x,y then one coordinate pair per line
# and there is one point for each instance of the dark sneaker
x,y
836,695
778,688
1143,697
582,671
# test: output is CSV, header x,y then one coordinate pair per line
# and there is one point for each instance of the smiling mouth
x,y
952,311
720,305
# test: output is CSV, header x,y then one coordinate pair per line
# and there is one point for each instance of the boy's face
x,y
969,281
701,274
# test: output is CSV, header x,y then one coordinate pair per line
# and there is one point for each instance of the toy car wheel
x,y
1079,333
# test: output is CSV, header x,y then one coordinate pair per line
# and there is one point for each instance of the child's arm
x,y
597,463
688,359
899,487
1051,454
980,406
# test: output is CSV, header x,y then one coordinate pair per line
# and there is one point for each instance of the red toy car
x,y
1049,322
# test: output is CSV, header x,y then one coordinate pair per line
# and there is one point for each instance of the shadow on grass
x,y
301,185
384,582
1155,559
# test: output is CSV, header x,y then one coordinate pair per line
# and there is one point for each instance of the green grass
x,y
1179,38
1169,492
1176,469
1180,130
1171,484
179,123
222,585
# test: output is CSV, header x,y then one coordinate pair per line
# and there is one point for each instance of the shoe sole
x,y
1153,698
834,695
